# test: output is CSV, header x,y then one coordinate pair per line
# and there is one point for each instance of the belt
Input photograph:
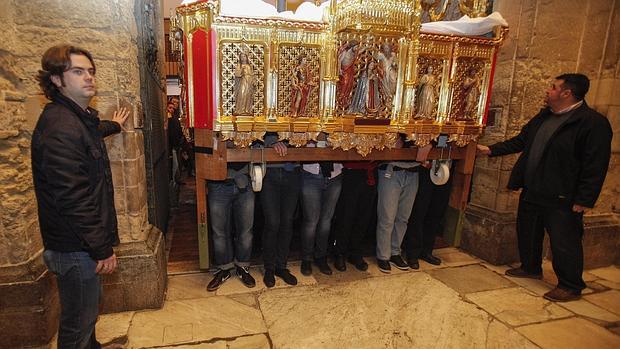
x,y
396,168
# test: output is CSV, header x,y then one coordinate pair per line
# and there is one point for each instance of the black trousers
x,y
565,229
354,212
278,198
425,221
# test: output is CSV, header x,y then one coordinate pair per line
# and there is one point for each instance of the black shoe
x,y
520,273
269,279
384,266
218,280
286,275
323,266
339,263
413,263
398,262
306,268
359,263
429,258
244,274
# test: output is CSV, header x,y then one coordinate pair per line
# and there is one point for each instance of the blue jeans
x,y
279,201
395,201
79,291
230,205
319,198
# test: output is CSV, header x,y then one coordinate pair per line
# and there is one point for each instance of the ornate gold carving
x,y
377,15
430,73
290,86
230,53
431,9
422,140
243,139
473,8
362,89
463,140
381,29
280,23
467,89
363,143
298,139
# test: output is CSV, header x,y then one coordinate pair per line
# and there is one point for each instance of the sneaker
x,y
323,266
398,262
269,279
520,273
286,275
244,274
339,263
413,263
429,258
218,280
359,263
306,268
384,266
561,295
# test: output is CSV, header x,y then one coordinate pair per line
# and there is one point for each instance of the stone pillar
x,y
28,297
541,45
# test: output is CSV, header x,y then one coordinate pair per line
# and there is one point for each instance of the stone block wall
x,y
108,30
548,38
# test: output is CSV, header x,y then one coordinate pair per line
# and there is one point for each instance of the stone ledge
x,y
140,280
492,236
29,311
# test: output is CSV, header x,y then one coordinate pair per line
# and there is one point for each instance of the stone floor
x,y
464,303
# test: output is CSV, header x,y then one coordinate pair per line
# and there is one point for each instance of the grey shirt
x,y
546,130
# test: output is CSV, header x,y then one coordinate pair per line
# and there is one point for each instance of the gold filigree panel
x,y
230,53
467,89
298,81
380,15
428,87
367,74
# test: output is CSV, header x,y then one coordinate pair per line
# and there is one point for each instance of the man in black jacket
x,y
565,152
73,185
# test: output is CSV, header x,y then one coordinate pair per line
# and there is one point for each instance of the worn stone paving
x,y
463,303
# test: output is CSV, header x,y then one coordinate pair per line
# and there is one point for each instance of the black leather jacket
x,y
574,162
73,180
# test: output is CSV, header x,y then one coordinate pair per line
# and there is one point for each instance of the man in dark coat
x,y
565,152
73,186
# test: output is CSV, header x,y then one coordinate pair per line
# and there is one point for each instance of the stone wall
x,y
107,29
546,39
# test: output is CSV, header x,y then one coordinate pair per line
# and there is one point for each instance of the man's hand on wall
x,y
120,116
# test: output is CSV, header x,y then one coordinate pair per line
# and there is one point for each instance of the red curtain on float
x,y
203,76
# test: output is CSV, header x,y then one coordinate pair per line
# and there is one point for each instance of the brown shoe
x,y
520,273
561,295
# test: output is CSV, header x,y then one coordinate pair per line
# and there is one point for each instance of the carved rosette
x,y
363,143
298,139
243,139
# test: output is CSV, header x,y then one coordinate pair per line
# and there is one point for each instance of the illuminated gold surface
x,y
275,45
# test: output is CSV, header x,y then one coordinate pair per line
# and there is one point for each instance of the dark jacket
x,y
73,181
574,161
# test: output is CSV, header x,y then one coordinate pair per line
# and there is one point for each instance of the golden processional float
x,y
359,75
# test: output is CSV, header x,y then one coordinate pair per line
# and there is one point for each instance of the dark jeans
x,y
355,211
428,210
227,205
565,229
319,198
79,291
279,201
